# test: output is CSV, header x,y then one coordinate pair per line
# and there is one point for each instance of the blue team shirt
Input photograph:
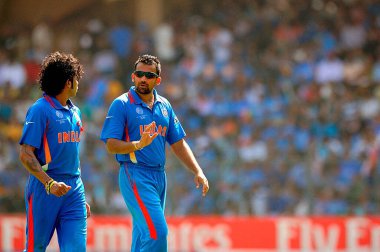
x,y
127,117
55,133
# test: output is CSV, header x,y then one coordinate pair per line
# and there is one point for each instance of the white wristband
x,y
135,145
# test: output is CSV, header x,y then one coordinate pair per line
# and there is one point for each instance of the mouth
x,y
143,86
143,89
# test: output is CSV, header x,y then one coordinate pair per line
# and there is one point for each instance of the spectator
x,y
285,96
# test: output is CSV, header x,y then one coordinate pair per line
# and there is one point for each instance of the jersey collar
x,y
55,103
137,99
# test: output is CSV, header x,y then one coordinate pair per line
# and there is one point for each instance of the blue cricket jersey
x,y
55,133
127,117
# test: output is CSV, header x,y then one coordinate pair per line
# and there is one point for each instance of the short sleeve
x,y
34,127
175,131
114,124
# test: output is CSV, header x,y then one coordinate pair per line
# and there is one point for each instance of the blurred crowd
x,y
280,101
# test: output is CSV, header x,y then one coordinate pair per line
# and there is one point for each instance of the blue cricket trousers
x,y
144,192
66,214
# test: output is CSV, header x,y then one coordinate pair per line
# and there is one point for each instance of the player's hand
x,y
59,189
88,209
147,136
200,179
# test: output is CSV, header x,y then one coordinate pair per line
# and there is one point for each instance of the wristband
x,y
48,185
135,145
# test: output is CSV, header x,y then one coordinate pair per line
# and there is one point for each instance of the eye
x,y
148,75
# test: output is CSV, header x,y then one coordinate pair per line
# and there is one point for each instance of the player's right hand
x,y
59,189
147,137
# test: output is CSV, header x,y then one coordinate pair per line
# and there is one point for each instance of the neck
x,y
147,98
62,98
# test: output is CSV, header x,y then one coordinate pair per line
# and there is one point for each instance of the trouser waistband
x,y
128,165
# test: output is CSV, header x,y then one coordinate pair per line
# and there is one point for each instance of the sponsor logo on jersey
x,y
176,120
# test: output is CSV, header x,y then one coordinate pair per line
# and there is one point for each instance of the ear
x,y
158,81
133,77
69,83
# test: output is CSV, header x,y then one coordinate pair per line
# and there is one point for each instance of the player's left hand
x,y
88,209
200,179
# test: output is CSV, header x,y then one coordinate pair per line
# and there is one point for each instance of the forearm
x,y
183,152
32,165
116,146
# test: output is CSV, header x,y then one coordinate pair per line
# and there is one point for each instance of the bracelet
x,y
48,185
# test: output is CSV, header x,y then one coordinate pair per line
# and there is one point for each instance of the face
x,y
74,88
144,84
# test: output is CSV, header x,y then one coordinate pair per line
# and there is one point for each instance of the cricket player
x,y
54,194
136,129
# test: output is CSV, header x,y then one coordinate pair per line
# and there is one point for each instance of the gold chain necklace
x,y
150,104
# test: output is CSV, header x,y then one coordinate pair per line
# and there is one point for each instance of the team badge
x,y
164,112
59,114
139,110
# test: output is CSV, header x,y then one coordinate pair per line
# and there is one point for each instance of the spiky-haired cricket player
x,y
54,194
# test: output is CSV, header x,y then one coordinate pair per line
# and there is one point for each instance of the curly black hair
x,y
149,60
56,69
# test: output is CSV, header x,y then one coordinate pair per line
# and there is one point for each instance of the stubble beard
x,y
143,90
73,93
